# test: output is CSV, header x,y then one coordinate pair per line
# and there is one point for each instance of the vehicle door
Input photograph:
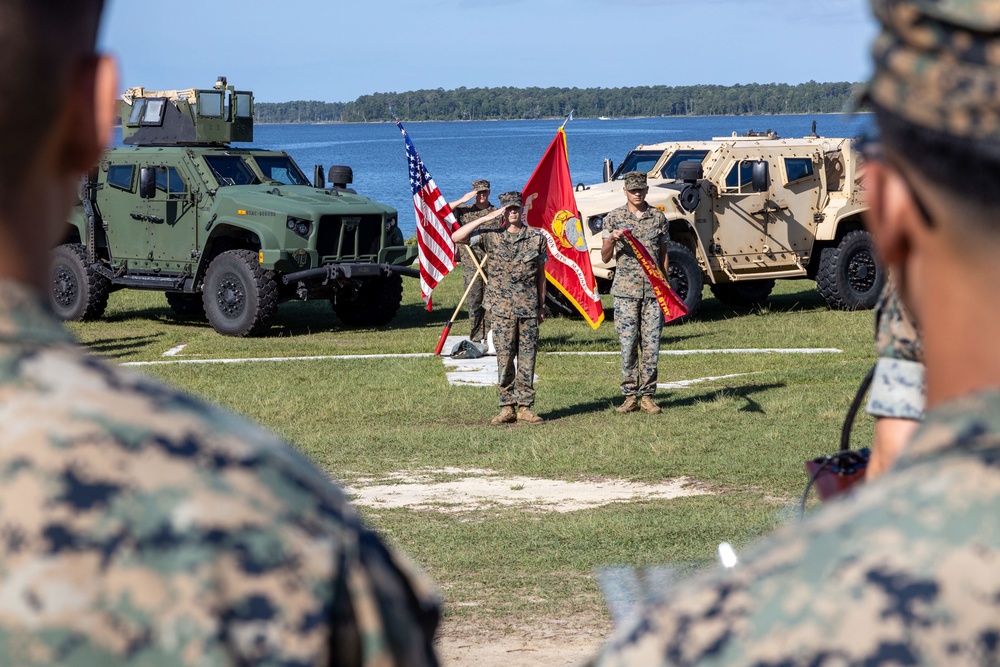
x,y
739,234
118,203
171,221
797,197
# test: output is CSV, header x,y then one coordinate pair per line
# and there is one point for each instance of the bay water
x,y
504,152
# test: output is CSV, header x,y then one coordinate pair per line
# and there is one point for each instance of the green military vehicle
x,y
226,233
745,211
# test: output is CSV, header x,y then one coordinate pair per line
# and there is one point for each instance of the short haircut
x,y
968,169
41,42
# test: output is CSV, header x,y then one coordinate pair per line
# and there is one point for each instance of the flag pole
x,y
569,117
447,327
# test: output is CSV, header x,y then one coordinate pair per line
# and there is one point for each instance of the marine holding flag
x,y
549,205
638,316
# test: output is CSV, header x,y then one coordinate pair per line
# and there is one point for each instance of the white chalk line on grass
x,y
174,351
273,359
744,350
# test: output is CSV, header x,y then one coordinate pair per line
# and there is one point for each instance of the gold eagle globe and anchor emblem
x,y
567,228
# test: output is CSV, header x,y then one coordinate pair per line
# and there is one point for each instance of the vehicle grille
x,y
349,238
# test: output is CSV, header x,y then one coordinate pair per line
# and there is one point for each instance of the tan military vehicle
x,y
745,211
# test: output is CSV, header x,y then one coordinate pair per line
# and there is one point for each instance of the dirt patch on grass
x,y
464,490
544,642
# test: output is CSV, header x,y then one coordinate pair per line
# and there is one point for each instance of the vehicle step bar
x,y
150,282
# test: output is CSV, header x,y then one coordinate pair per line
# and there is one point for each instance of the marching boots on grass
x,y
524,414
631,404
506,416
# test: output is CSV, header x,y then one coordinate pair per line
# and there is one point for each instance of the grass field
x,y
745,438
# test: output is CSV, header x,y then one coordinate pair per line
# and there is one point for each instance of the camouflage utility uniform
x,y
638,317
479,321
141,526
905,572
898,387
512,301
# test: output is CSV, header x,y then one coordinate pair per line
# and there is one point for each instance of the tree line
x,y
532,103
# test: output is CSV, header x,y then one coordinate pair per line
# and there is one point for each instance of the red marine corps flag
x,y
435,223
549,205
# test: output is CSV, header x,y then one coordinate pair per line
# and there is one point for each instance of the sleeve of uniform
x,y
385,612
898,387
607,226
665,234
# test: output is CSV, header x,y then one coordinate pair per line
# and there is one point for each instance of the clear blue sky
x,y
336,50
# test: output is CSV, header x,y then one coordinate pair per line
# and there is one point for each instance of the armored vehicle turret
x,y
224,232
746,210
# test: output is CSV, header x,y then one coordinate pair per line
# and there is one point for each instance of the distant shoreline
x,y
559,118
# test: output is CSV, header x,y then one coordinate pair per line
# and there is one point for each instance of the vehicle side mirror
x,y
147,182
609,168
690,171
319,178
760,177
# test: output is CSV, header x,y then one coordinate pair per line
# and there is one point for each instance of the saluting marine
x,y
479,322
514,298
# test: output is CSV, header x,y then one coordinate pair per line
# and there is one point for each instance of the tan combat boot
x,y
630,405
506,416
524,414
648,406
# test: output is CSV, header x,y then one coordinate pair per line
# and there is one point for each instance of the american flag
x,y
435,223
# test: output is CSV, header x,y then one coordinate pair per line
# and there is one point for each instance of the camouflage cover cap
x,y
480,185
937,65
635,180
508,199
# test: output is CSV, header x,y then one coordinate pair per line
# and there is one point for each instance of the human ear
x,y
89,113
889,207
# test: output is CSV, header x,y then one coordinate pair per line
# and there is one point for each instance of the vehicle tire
x,y
684,276
240,297
374,303
743,293
78,292
190,306
557,305
849,277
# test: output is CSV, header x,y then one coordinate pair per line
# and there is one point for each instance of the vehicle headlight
x,y
299,226
596,224
390,223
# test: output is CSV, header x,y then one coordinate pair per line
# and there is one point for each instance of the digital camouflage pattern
x,y
480,185
904,572
516,338
651,230
898,387
639,323
141,526
936,63
479,322
638,317
634,180
516,258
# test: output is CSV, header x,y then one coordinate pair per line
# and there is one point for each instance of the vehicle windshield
x,y
637,161
231,170
280,168
669,169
